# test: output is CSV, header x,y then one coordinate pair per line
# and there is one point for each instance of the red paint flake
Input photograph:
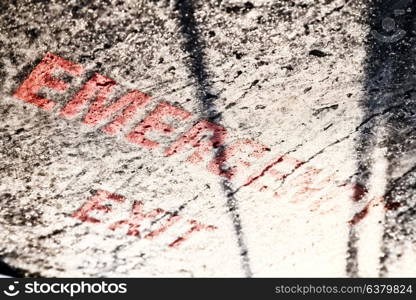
x,y
171,221
305,184
204,137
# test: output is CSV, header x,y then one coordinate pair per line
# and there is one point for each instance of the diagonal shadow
x,y
390,85
194,46
7,270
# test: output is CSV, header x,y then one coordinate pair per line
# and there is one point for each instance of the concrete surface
x,y
307,79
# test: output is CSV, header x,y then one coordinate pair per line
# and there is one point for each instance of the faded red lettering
x,y
99,88
195,227
218,164
136,219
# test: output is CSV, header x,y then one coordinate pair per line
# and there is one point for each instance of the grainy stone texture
x,y
302,77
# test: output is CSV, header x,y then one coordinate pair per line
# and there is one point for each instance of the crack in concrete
x,y
369,119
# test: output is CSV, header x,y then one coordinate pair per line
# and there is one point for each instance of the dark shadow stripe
x,y
193,45
7,270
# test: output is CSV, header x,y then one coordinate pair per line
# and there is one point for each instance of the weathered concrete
x,y
301,78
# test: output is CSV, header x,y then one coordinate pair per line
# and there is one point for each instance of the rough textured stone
x,y
304,78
